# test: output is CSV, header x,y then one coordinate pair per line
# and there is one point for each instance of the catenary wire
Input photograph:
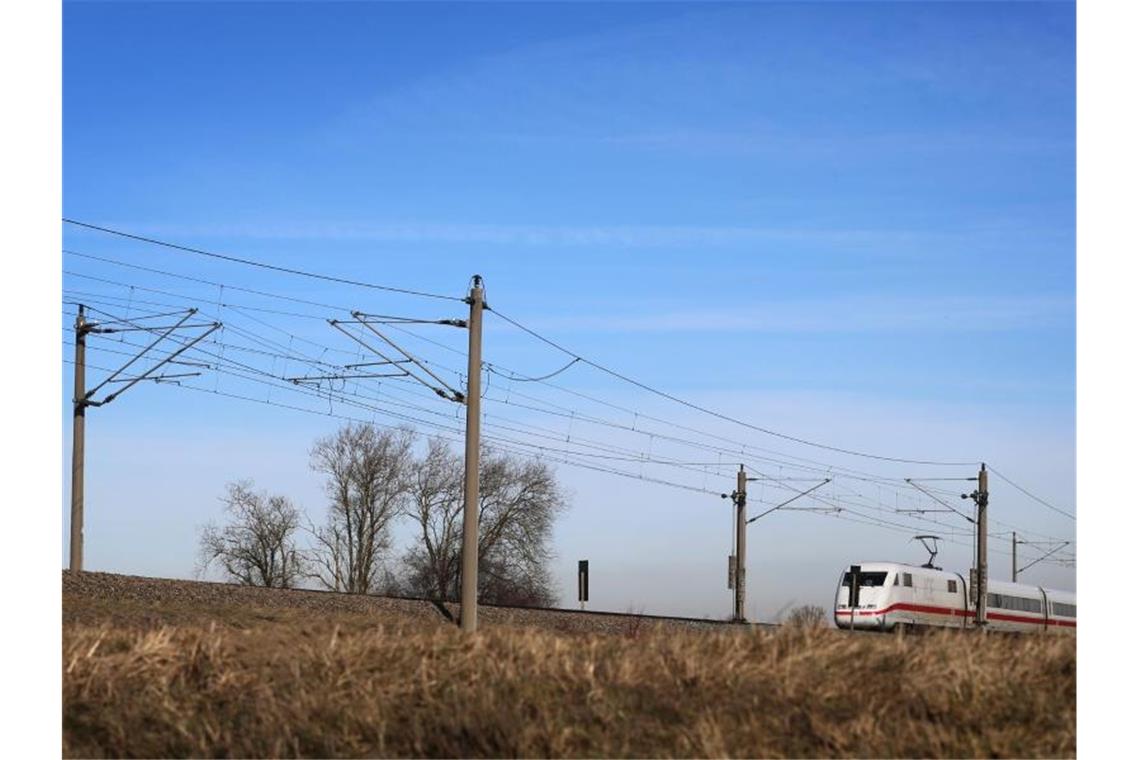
x,y
718,415
1037,499
260,264
515,378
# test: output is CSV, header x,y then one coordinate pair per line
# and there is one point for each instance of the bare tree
x,y
367,473
807,616
257,547
436,504
518,503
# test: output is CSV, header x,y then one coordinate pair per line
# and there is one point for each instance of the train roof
x,y
993,586
886,565
1005,587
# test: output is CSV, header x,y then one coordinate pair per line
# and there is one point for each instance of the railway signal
x,y
583,582
853,591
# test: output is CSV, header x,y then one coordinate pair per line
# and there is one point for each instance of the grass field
x,y
178,678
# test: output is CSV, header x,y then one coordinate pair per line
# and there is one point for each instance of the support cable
x,y
718,415
1037,499
260,264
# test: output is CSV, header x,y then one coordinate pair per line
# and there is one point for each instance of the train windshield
x,y
866,579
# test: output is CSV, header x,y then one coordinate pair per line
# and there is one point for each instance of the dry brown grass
x,y
305,687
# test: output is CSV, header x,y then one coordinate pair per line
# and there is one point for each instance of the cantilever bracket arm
x,y
166,332
783,504
1043,556
940,501
358,317
147,375
449,394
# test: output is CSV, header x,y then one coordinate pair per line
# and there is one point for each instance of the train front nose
x,y
863,608
866,611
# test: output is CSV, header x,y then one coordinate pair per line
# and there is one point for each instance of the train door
x,y
962,601
906,596
931,592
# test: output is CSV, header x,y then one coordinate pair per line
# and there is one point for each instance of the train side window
x,y
952,586
1020,603
1064,610
896,580
994,600
907,580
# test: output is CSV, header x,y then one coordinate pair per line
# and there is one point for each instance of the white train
x,y
893,595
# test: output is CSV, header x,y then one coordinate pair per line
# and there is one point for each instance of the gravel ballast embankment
x,y
90,597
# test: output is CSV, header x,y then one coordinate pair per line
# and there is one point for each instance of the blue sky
x,y
848,222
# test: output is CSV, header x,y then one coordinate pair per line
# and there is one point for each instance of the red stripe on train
x,y
905,607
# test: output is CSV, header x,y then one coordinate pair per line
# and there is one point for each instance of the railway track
x,y
88,594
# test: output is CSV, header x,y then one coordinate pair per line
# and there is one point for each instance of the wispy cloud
x,y
621,236
668,85
840,315
770,139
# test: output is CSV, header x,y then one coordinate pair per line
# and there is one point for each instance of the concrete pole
x,y
741,535
468,610
78,420
1015,556
983,563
